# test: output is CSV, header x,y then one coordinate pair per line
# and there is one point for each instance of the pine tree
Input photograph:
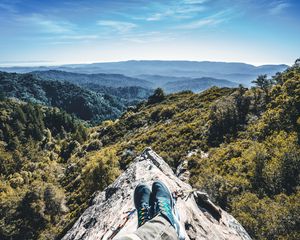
x,y
265,84
157,97
2,95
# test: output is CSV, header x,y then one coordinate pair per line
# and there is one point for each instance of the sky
x,y
44,32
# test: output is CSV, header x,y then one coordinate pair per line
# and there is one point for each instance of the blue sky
x,y
40,32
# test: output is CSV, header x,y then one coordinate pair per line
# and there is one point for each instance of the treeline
x,y
26,121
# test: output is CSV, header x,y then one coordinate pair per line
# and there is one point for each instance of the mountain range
x,y
241,73
196,84
102,79
95,92
105,83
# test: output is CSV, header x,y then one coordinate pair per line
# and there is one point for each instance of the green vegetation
x,y
41,162
91,106
97,79
51,164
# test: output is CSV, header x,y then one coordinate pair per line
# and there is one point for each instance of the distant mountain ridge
x,y
125,88
238,72
108,83
103,79
197,84
92,97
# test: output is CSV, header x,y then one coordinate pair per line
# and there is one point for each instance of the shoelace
x,y
143,215
164,206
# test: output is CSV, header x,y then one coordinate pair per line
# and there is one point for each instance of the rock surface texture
x,y
111,213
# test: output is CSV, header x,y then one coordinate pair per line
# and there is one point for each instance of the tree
x,y
7,132
102,169
263,83
158,96
242,103
19,114
31,211
54,199
2,95
13,143
81,134
278,78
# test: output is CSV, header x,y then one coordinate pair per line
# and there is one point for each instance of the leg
x,y
155,229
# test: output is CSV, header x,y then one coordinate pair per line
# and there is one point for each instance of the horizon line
x,y
45,63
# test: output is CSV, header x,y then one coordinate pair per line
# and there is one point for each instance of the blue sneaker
x,y
164,204
142,195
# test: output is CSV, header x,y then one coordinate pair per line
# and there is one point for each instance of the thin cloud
x,y
200,23
70,38
149,37
157,16
8,7
80,37
179,12
208,21
278,7
119,26
46,25
195,1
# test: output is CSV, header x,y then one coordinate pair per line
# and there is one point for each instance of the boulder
x,y
111,212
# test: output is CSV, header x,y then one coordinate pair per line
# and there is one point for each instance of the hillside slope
x,y
85,104
34,143
101,79
129,95
196,84
138,87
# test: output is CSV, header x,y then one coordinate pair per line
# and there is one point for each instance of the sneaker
x,y
164,204
142,195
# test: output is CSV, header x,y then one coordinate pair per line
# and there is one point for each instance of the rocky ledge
x,y
111,212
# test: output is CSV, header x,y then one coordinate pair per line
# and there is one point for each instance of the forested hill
x,y
128,95
197,84
102,79
85,104
137,86
240,145
35,143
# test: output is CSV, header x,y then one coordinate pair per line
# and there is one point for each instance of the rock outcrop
x,y
111,212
